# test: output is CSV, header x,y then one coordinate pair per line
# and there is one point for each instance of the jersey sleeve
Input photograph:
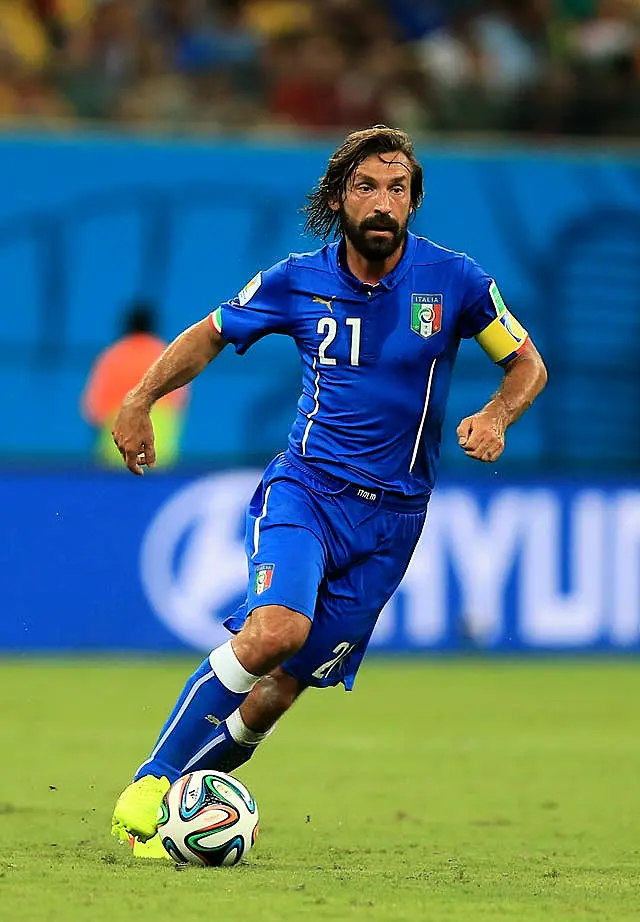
x,y
263,306
486,317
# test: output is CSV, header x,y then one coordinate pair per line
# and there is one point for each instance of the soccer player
x,y
377,316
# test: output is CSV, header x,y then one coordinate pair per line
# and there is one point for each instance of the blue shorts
x,y
333,552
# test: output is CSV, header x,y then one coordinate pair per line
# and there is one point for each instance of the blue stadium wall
x,y
88,223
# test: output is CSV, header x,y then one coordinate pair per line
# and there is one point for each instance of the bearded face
x,y
374,214
376,237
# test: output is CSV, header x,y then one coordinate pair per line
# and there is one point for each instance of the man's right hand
x,y
133,434
179,364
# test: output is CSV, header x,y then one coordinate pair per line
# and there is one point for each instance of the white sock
x,y
230,670
241,733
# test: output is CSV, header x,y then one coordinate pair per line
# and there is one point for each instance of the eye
x,y
364,187
397,190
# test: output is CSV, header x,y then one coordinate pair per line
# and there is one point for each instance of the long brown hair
x,y
321,220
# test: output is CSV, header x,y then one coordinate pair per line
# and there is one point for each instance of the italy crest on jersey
x,y
426,314
263,577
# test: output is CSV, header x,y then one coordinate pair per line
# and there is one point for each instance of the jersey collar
x,y
389,281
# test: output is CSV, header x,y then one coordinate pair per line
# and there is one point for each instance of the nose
x,y
383,202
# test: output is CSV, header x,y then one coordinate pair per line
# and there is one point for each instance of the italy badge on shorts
x,y
263,577
426,314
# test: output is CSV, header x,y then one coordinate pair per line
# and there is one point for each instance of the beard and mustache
x,y
372,247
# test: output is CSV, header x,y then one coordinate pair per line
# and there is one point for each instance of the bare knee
x,y
270,698
270,635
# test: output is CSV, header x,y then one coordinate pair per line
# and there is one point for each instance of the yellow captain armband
x,y
504,337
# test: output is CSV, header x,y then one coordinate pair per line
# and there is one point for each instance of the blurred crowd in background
x,y
547,67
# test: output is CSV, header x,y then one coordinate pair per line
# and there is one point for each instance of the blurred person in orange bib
x,y
115,372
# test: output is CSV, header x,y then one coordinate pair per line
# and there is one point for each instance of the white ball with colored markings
x,y
208,818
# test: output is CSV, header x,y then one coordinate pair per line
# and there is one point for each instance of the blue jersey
x,y
377,360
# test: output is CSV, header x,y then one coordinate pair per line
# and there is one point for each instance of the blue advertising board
x,y
116,563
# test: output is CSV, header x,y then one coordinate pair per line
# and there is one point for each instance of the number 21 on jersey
x,y
328,327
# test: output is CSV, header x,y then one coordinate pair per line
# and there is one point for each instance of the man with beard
x,y
377,317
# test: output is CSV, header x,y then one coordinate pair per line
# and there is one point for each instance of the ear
x,y
334,206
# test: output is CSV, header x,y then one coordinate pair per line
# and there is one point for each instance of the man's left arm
x,y
482,436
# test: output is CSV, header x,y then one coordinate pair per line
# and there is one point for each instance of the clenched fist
x,y
481,436
133,434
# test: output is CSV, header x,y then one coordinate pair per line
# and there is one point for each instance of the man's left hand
x,y
481,436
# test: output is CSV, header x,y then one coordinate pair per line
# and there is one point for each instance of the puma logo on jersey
x,y
327,302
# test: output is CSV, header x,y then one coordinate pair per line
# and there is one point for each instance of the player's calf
x,y
272,696
238,737
219,686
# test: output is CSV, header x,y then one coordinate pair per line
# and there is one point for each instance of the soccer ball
x,y
208,817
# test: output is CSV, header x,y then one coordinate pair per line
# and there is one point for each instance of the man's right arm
x,y
180,363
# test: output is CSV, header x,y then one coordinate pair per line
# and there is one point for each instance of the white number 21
x,y
328,326
343,649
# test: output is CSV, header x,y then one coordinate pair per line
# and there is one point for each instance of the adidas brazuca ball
x,y
208,817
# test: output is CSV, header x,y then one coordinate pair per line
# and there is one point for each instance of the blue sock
x,y
230,746
216,689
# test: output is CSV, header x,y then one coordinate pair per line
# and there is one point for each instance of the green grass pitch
x,y
445,790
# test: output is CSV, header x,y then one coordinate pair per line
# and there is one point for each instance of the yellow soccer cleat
x,y
152,848
136,810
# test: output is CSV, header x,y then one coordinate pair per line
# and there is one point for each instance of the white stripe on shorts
x,y
256,526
